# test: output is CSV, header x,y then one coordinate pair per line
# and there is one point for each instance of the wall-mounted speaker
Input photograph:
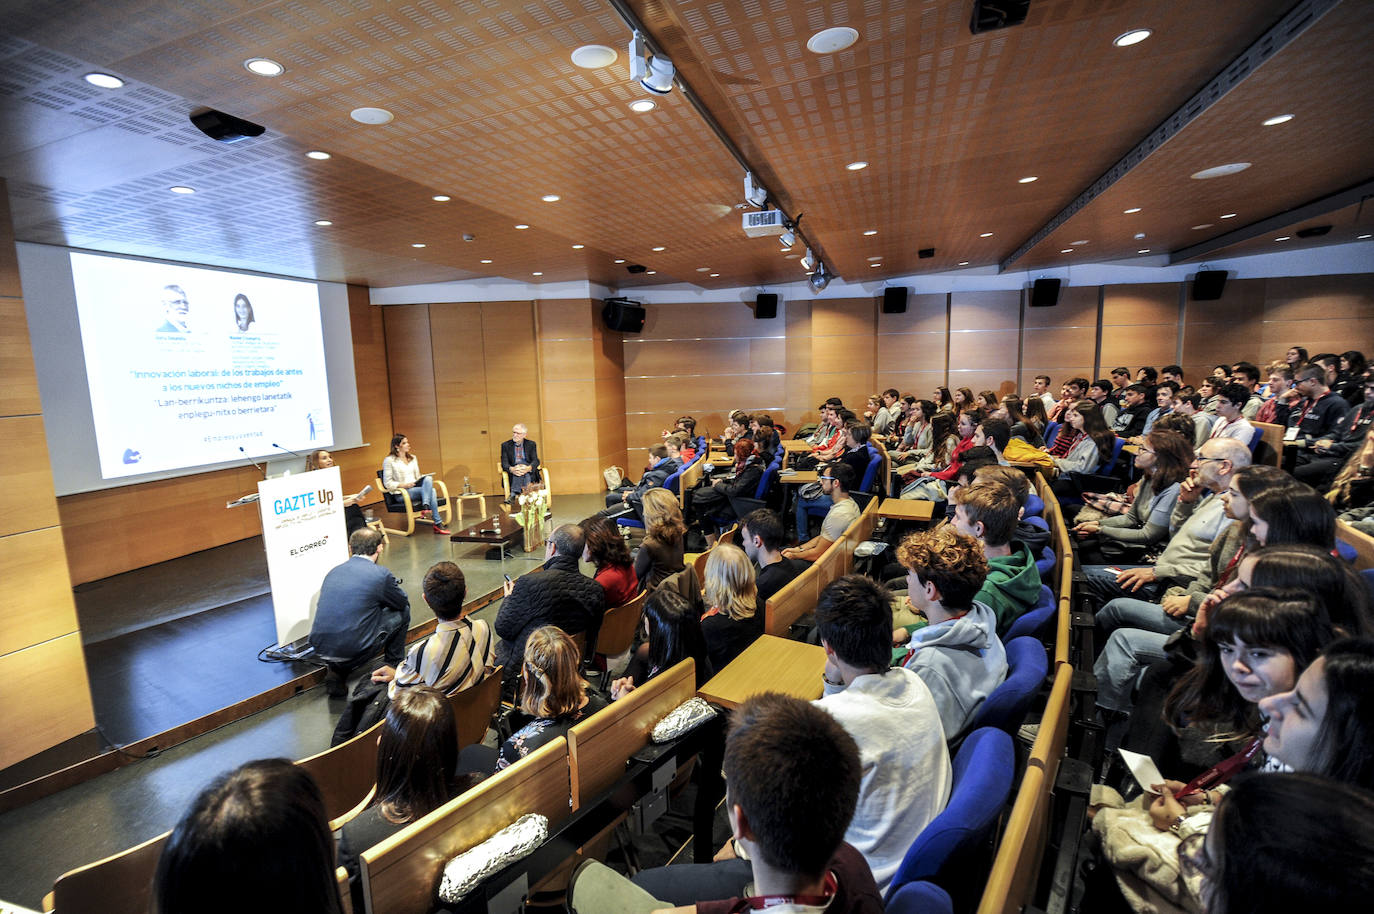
x,y
765,306
623,315
894,300
1207,285
1045,293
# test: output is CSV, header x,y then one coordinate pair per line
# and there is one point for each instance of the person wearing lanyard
x,y
1319,465
1230,423
1319,414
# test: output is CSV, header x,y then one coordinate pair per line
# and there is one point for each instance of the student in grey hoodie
x,y
958,654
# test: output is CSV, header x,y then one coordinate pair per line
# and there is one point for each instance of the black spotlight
x,y
224,127
1313,231
990,15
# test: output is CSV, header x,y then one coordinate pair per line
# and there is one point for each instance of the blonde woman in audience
x,y
734,618
552,693
662,550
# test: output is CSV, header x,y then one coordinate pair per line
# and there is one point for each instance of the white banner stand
x,y
304,536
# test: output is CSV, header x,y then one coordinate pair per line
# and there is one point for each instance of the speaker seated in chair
x,y
406,490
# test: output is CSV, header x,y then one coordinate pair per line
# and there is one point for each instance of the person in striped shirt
x,y
459,654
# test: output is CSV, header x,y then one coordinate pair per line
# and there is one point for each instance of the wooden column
x,y
43,684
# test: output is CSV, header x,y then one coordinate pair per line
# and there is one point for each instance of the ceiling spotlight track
x,y
650,51
1287,30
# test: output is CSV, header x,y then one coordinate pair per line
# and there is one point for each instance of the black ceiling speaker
x,y
623,315
991,15
894,300
636,268
765,306
925,253
1045,293
1207,285
1313,231
224,127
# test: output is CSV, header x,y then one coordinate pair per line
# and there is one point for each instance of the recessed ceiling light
x,y
418,244
659,248
578,247
1138,235
264,66
618,260
791,256
856,166
317,155
1077,243
830,41
879,257
1067,251
1143,251
1028,179
1363,237
1205,225
651,272
963,263
522,226
714,275
1134,36
1284,238
703,269
1228,215
593,56
373,116
875,264
1219,171
323,222
642,105
182,189
985,235
485,261
871,232
536,273
551,198
1134,209
1276,120
441,198
104,80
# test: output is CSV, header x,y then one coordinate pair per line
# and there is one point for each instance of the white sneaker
x,y
1028,732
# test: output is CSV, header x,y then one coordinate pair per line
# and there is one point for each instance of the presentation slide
x,y
187,364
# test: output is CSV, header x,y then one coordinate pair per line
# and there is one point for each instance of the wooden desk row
x,y
799,596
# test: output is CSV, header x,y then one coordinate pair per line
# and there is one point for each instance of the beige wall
x,y
43,684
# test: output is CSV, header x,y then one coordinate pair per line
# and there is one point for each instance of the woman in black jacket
x,y
711,506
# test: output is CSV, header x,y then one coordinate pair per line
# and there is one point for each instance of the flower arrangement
x,y
533,505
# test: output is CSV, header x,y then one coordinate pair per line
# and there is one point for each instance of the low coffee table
x,y
484,532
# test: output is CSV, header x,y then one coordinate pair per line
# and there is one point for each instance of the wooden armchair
x,y
543,480
399,503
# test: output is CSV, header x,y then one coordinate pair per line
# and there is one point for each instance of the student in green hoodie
x,y
988,511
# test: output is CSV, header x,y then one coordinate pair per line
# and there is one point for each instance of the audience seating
x,y
952,851
1051,433
920,898
346,773
1269,447
1040,618
475,706
799,596
119,884
1005,709
1035,506
1361,543
618,627
401,875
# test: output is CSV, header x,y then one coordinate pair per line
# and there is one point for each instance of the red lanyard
x,y
1222,771
1310,404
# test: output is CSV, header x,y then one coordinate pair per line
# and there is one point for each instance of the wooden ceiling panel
x,y
490,110
1321,79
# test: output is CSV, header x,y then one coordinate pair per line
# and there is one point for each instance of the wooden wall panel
x,y
39,605
19,393
45,690
26,475
1226,330
995,310
983,351
581,394
359,465
410,369
1060,341
1139,326
715,320
920,384
47,699
1302,298
460,399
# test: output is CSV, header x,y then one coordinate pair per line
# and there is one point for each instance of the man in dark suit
x,y
361,608
520,460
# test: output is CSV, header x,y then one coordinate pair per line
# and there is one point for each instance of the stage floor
x,y
168,644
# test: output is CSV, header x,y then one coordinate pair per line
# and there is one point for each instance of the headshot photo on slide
x,y
243,312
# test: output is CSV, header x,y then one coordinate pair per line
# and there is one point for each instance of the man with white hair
x,y
520,460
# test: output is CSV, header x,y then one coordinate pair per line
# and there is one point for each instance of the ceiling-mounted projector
x,y
765,222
